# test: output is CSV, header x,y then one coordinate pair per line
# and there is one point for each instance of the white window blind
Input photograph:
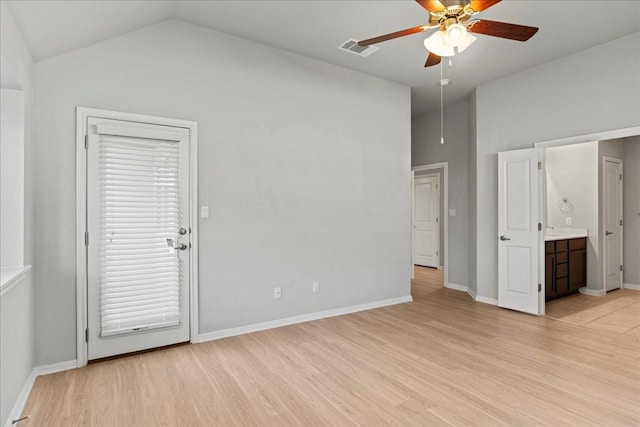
x,y
139,220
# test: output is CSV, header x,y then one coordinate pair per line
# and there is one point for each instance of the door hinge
x,y
620,222
620,177
86,141
620,268
539,287
539,166
86,335
436,219
539,226
86,238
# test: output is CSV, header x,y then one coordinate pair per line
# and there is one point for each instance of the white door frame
x,y
603,235
82,113
444,187
596,136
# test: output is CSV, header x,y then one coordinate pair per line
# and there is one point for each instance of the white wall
x,y
572,172
426,149
17,304
306,167
11,177
631,182
572,96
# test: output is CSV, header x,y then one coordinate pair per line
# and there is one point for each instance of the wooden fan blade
x,y
395,35
432,5
480,5
432,59
521,33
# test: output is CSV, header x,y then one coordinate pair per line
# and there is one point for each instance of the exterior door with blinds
x,y
138,239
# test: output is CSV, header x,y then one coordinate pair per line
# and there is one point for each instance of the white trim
x,y
484,300
224,333
445,211
21,400
456,287
592,292
55,368
631,286
597,136
82,114
603,235
441,267
14,277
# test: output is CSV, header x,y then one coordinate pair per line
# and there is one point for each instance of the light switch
x,y
204,211
452,212
569,220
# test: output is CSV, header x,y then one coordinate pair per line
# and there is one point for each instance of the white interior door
x,y
426,225
612,211
138,241
518,234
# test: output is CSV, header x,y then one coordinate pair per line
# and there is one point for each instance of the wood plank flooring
x,y
617,311
441,360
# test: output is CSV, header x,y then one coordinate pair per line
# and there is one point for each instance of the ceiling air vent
x,y
352,46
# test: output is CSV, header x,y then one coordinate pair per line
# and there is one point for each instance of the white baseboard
x,y
441,267
18,406
592,292
55,367
481,299
631,286
456,287
247,329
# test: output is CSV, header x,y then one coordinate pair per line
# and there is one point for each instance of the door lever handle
x,y
608,232
181,247
503,238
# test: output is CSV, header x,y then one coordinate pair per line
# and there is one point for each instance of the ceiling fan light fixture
x,y
458,37
437,43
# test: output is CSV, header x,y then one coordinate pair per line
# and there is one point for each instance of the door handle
x,y
181,247
503,238
608,232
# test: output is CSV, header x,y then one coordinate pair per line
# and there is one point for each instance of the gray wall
x,y
572,96
306,167
17,345
631,182
440,173
426,149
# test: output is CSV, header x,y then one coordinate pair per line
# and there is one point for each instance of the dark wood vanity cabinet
x,y
566,267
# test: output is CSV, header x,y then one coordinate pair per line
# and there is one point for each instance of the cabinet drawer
x,y
550,247
562,270
562,257
561,245
575,244
562,285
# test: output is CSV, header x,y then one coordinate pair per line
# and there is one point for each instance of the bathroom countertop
x,y
556,233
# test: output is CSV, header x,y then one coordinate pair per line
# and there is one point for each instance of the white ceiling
x,y
315,29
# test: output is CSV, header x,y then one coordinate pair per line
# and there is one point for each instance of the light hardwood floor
x,y
617,311
441,360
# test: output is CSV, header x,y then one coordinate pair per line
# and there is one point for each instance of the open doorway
x,y
591,195
429,224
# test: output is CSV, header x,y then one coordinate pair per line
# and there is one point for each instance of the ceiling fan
x,y
455,20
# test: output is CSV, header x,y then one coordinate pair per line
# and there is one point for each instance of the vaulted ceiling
x,y
316,28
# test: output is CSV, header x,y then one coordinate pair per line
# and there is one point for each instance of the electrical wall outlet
x,y
568,220
277,292
316,287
